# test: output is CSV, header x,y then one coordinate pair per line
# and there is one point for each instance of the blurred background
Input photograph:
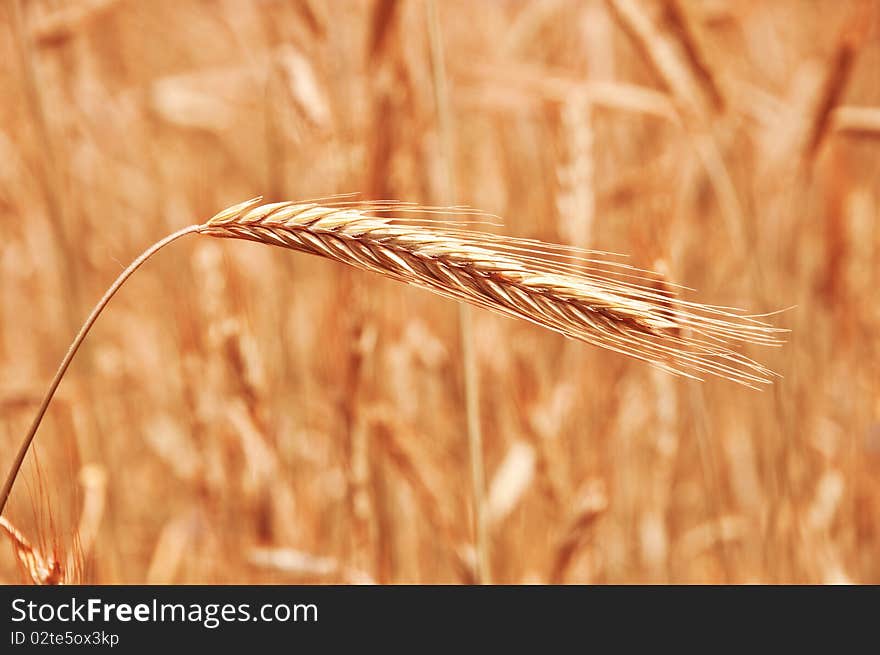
x,y
244,414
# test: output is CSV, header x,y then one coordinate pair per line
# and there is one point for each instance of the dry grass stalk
x,y
837,74
665,42
668,46
465,317
383,21
576,293
676,21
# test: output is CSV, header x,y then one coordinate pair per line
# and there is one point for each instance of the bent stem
x,y
71,352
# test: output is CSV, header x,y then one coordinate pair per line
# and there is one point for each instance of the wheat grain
x,y
573,292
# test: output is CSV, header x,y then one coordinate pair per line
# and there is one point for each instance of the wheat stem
x,y
465,316
71,352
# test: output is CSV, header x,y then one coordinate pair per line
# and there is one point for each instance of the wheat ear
x,y
567,290
576,293
42,570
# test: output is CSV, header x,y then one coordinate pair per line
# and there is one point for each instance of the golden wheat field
x,y
242,413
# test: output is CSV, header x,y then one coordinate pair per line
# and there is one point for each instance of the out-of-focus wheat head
x,y
581,294
41,570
